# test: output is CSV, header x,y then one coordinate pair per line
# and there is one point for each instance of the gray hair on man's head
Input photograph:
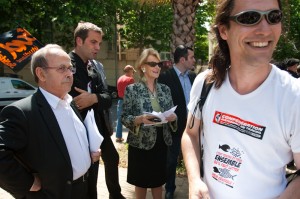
x,y
39,58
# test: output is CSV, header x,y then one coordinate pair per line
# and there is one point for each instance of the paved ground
x,y
128,190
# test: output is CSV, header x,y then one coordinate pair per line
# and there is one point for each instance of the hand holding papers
x,y
161,116
94,136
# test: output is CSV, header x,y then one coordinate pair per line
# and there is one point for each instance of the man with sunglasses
x,y
179,78
248,130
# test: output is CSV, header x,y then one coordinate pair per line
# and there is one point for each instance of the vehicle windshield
x,y
21,85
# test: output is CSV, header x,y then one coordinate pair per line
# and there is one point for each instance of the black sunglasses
x,y
253,17
153,64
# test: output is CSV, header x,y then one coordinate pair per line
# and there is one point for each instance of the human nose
x,y
97,47
264,27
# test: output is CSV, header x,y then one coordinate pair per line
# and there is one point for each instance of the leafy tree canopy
x,y
204,16
289,43
143,24
146,25
54,20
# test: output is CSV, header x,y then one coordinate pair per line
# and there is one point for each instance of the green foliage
x,y
204,15
289,43
180,169
53,21
146,25
201,48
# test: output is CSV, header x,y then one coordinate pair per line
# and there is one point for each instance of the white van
x,y
13,89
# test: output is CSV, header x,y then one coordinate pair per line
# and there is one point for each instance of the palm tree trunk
x,y
183,23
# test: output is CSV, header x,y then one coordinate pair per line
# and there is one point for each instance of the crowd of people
x,y
291,65
241,137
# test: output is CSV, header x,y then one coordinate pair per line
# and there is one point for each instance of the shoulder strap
x,y
204,93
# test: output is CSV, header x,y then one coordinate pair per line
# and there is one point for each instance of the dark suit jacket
x,y
170,78
81,80
29,133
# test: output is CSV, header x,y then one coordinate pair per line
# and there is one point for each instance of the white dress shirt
x,y
73,131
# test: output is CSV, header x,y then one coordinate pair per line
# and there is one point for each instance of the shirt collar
x,y
178,71
54,100
78,59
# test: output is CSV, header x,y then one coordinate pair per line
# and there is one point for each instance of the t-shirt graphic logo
x,y
225,173
218,117
240,125
227,164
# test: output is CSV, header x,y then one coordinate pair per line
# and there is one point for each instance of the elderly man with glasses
x,y
44,146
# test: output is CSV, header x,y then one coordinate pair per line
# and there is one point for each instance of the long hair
x,y
220,61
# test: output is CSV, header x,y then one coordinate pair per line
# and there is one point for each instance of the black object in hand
x,y
155,119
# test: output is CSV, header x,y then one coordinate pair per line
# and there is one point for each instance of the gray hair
x,y
39,58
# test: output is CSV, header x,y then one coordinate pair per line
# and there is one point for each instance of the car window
x,y
21,85
2,85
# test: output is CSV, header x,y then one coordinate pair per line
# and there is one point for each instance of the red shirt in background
x,y
123,81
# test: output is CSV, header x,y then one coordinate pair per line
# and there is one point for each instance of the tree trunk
x,y
183,23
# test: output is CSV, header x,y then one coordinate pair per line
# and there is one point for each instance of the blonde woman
x,y
147,152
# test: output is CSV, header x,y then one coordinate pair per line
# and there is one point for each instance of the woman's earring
x,y
143,69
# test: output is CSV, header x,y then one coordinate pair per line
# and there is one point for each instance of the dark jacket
x,y
81,80
30,133
170,78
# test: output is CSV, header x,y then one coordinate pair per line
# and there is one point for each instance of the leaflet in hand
x,y
95,138
161,115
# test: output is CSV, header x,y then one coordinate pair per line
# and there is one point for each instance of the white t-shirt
x,y
248,139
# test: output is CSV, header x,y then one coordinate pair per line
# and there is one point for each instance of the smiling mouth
x,y
259,44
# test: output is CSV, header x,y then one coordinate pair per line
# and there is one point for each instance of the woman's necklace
x,y
152,94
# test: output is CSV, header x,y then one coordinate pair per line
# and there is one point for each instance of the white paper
x,y
161,115
95,138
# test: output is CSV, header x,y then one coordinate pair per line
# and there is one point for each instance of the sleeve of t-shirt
x,y
131,81
195,94
295,128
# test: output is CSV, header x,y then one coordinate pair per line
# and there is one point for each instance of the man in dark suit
x,y
180,79
44,148
90,92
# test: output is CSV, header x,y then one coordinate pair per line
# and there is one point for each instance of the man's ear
x,y
182,59
40,73
79,41
223,31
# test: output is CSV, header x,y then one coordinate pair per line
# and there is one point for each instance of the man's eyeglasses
x,y
253,17
153,64
62,69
